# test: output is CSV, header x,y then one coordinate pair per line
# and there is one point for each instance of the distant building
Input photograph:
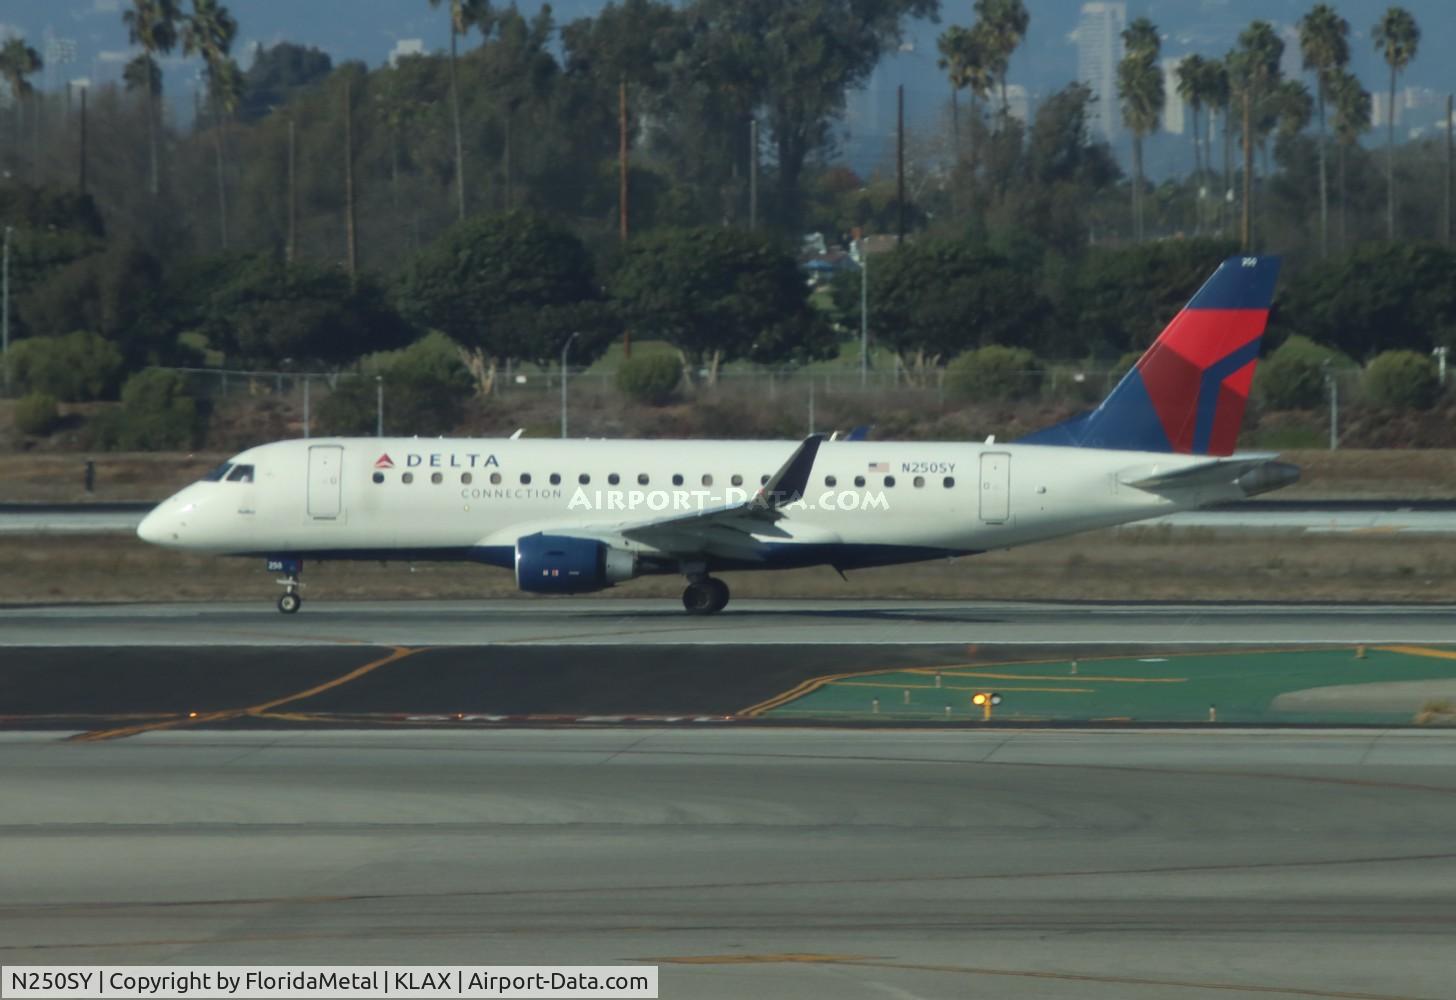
x,y
1018,102
1175,109
59,53
1099,50
406,47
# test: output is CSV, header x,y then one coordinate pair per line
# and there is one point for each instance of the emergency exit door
x,y
995,487
324,481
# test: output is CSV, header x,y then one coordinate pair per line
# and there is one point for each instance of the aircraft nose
x,y
158,527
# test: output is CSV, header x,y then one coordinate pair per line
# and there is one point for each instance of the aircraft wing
x,y
729,530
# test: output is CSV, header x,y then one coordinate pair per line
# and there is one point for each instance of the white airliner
x,y
573,516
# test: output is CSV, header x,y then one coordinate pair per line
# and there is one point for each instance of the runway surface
x,y
612,622
781,863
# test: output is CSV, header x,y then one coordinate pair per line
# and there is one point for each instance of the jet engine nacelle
x,y
560,564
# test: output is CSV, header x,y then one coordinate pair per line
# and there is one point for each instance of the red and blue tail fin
x,y
1188,392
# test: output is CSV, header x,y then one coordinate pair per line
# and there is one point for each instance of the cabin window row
x,y
613,479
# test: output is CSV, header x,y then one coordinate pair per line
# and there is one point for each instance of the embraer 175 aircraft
x,y
576,516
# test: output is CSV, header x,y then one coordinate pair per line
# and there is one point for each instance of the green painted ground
x,y
1171,688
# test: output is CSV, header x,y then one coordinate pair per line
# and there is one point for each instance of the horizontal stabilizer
x,y
1252,474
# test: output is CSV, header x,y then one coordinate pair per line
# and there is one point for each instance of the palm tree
x,y
1140,83
1192,74
463,15
1396,38
1253,76
1352,106
963,57
209,32
1003,25
17,62
1216,96
1324,43
152,24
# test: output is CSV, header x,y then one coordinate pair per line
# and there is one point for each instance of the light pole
x,y
1334,387
565,351
864,323
379,406
5,313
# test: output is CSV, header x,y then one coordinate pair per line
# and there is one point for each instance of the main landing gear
x,y
705,596
292,569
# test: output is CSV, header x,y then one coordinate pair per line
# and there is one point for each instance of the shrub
x,y
650,378
1402,380
156,413
996,373
425,389
1293,377
36,413
76,367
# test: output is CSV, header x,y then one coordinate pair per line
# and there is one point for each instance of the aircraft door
x,y
325,483
995,487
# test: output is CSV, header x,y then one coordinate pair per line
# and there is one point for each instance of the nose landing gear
x,y
290,601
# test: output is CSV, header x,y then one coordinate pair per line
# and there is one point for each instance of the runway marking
x,y
1085,678
46,909
1435,654
972,970
94,736
957,687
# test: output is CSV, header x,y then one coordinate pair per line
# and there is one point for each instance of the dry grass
x,y
1135,565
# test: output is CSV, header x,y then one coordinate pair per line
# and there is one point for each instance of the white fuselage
x,y
868,503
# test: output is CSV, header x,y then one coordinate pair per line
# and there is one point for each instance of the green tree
x,y
1324,42
209,32
114,294
1253,78
75,367
425,391
152,24
1192,76
278,73
996,373
1140,85
1397,37
1402,380
464,14
18,62
1003,25
1293,376
652,379
803,57
509,286
934,298
1352,106
157,413
270,313
718,295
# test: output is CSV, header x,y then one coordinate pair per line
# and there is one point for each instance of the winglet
x,y
792,479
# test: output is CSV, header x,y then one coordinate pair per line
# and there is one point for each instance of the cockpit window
x,y
241,474
216,474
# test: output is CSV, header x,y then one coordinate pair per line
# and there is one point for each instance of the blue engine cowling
x,y
560,564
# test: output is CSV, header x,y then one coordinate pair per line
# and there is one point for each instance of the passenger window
x,y
919,481
707,479
737,480
677,479
408,477
379,477
466,478
583,479
218,473
495,479
555,479
437,478
614,479
525,479
241,474
642,479
889,481
830,481
859,480
763,480
949,481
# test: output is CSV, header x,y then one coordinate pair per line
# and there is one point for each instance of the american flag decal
x,y
879,466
